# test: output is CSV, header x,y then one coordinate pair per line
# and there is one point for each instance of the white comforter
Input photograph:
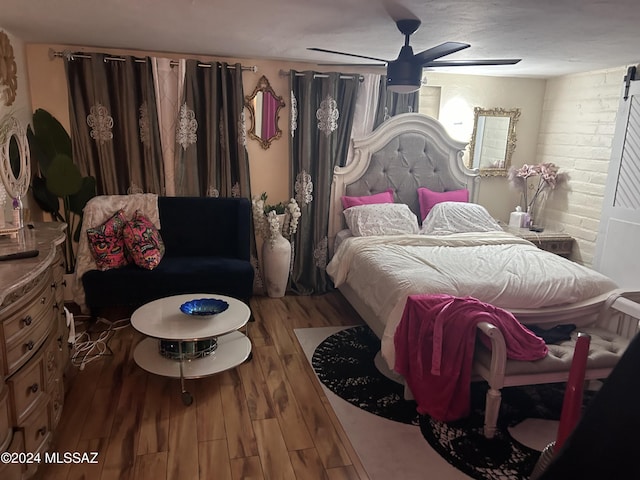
x,y
495,267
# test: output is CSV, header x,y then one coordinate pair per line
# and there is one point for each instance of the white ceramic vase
x,y
276,261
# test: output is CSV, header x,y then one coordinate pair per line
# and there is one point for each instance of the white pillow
x,y
381,219
446,218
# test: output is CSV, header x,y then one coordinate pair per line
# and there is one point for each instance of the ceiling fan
x,y
404,74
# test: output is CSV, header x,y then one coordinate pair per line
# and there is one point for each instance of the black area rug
x,y
344,363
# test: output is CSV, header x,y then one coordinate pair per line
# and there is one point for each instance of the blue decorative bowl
x,y
204,306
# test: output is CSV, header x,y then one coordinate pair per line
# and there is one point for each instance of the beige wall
x,y
577,128
461,93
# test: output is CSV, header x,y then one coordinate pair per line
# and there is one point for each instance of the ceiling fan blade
x,y
348,54
471,63
446,48
352,64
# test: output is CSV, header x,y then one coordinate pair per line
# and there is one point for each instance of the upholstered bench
x,y
494,367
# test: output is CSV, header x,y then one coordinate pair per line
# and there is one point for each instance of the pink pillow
x,y
106,242
428,198
383,197
143,241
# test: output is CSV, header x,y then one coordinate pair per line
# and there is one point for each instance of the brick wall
x,y
576,131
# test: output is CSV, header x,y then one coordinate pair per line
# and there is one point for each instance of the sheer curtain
x,y
364,116
374,105
114,123
169,84
322,109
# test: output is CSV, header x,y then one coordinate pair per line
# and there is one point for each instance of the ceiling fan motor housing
x,y
405,73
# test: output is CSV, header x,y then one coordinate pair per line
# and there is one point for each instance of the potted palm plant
x,y
58,188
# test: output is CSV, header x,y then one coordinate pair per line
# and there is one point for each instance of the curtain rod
x,y
285,73
69,54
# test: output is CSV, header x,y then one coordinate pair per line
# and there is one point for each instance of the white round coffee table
x,y
192,346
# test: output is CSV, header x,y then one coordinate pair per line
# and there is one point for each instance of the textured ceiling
x,y
553,37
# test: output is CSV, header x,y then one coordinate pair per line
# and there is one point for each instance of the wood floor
x,y
267,419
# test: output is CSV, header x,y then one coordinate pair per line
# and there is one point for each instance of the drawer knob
x,y
42,431
27,320
34,388
64,283
53,285
43,300
29,345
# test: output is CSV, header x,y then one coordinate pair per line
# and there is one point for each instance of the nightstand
x,y
554,242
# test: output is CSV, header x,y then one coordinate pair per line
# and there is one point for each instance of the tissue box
x,y
517,219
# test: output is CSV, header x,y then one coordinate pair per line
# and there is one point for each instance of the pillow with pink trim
x,y
428,198
106,242
143,241
383,197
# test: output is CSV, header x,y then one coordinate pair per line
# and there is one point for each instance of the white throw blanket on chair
x,y
96,212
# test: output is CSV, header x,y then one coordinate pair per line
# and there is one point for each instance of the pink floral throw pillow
x,y
106,243
382,197
143,242
428,198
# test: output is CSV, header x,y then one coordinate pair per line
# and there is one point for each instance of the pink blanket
x,y
434,345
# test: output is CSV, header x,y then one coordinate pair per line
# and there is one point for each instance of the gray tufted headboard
x,y
406,152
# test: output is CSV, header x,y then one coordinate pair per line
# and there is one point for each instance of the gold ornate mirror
x,y
264,106
493,140
8,71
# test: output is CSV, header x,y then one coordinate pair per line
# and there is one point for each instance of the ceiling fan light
x,y
403,88
404,77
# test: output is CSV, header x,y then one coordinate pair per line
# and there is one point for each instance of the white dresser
x,y
34,350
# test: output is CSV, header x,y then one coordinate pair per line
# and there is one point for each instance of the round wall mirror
x,y
264,106
14,159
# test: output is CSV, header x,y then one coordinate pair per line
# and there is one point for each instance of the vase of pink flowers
x,y
276,224
535,183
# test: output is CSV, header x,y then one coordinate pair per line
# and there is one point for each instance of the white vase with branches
x,y
276,224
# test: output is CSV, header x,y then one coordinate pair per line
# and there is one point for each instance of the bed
x,y
377,264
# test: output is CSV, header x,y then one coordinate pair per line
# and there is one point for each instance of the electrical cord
x,y
87,349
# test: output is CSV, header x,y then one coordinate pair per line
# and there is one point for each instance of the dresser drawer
x,y
6,432
21,322
37,431
24,329
23,348
27,388
14,471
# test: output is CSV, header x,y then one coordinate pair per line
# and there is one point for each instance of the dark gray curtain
x,y
114,124
391,104
322,117
211,158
